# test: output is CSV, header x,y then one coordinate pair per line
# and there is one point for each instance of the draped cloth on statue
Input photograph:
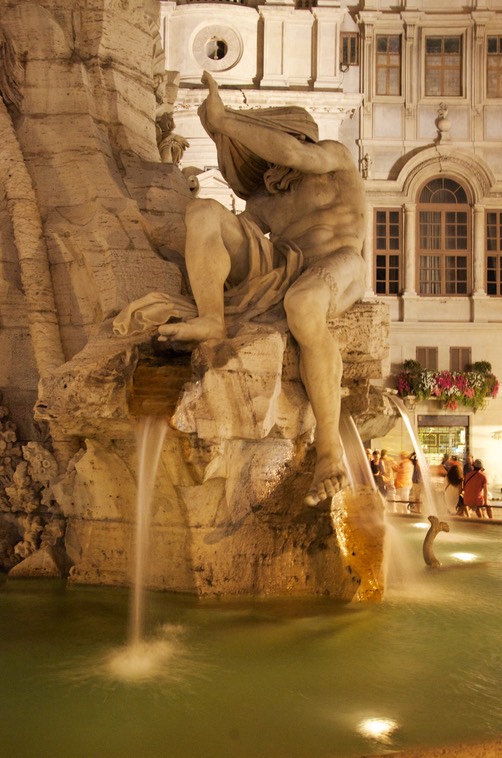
x,y
273,267
241,168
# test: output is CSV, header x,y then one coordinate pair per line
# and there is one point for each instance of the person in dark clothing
x,y
378,471
469,464
416,486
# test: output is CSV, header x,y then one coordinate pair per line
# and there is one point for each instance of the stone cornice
x,y
316,102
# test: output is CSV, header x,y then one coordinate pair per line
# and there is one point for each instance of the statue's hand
x,y
215,110
209,80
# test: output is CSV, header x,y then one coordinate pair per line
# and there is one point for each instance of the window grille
x,y
349,49
494,253
494,67
388,64
388,236
443,66
444,239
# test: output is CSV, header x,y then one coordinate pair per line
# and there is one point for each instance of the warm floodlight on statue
x,y
297,244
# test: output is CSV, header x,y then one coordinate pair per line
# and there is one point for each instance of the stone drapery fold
x,y
272,268
241,168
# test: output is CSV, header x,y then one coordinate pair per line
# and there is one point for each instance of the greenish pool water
x,y
259,678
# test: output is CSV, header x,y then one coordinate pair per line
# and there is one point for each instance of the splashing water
x,y
161,659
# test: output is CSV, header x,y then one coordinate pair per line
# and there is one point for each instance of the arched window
x,y
444,239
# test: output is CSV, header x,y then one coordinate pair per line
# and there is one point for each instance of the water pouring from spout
x,y
151,432
428,490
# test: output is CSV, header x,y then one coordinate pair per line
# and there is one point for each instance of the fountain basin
x,y
245,677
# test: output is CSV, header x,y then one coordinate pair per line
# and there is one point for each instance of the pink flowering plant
x,y
452,388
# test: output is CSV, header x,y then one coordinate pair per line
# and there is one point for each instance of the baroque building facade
x,y
415,91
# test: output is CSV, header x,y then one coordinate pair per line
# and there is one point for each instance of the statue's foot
x,y
329,478
196,330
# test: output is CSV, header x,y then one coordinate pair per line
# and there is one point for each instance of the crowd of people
x,y
400,483
466,486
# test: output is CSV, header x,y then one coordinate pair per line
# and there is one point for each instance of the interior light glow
x,y
420,525
377,729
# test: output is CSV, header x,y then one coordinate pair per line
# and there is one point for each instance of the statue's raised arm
x,y
294,145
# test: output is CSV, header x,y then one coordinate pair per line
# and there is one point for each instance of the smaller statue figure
x,y
365,166
443,123
171,146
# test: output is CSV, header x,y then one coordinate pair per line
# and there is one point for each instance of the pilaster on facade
x,y
280,31
369,257
479,80
367,51
478,244
410,216
411,69
328,21
411,305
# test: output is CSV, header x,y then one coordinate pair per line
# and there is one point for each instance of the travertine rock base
x,y
228,513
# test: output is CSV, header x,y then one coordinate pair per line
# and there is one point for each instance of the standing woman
x,y
476,490
452,491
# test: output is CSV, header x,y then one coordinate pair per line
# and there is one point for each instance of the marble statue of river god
x,y
298,243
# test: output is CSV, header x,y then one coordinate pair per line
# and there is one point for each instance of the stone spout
x,y
435,527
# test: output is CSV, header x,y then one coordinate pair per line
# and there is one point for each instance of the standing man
x,y
476,490
378,471
304,218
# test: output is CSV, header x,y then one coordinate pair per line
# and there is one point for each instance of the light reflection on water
x,y
270,678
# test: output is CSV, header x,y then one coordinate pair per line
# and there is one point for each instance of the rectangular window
x,y
387,251
388,64
460,358
494,253
494,67
349,49
443,269
428,358
443,66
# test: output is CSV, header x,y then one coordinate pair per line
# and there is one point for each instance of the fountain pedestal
x,y
228,513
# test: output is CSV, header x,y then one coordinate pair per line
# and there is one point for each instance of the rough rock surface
x,y
228,513
90,220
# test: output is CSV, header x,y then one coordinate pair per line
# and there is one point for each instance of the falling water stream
x,y
143,659
355,458
151,431
429,499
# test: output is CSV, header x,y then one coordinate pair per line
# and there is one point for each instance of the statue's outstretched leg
x,y
330,286
215,251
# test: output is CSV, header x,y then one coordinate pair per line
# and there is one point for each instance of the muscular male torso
x,y
320,213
